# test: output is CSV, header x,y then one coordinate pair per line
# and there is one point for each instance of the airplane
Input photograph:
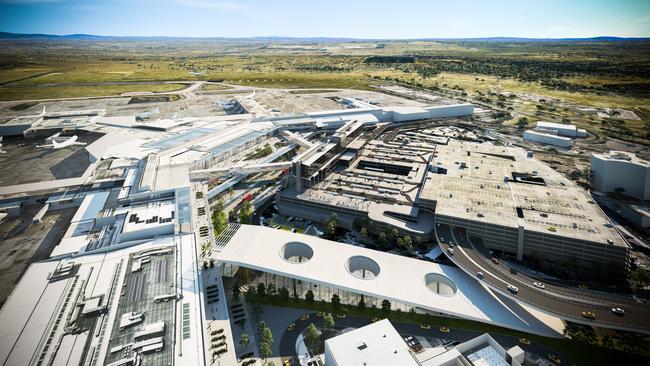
x,y
250,96
55,145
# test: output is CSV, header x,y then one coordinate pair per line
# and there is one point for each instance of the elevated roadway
x,y
565,302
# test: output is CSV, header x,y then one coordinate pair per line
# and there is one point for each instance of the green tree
x,y
336,301
385,306
309,297
312,337
408,243
219,218
382,240
400,242
245,213
522,122
251,294
328,321
640,277
331,225
270,289
265,333
393,234
283,293
243,339
261,289
575,174
265,350
363,233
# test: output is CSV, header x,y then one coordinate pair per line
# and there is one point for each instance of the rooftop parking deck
x,y
503,186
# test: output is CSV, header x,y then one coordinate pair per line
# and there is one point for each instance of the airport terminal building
x,y
502,196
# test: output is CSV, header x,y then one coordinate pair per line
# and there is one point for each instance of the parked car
x,y
554,358
291,327
444,329
425,326
524,341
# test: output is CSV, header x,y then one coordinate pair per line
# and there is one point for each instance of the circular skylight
x,y
362,267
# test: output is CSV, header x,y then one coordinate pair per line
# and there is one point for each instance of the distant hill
x,y
280,39
7,35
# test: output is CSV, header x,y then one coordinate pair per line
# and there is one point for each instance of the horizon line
x,y
328,37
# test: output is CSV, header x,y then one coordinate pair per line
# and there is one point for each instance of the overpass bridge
x,y
242,169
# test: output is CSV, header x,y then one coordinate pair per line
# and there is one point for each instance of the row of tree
x,y
220,217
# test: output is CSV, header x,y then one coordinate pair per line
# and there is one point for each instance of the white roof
x,y
376,344
546,135
260,248
90,206
555,126
27,316
487,356
117,121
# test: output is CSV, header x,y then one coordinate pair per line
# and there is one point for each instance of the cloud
x,y
214,4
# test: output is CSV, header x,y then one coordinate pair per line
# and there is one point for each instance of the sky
x,y
380,19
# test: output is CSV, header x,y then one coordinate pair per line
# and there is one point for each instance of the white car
x,y
513,289
539,285
450,251
618,311
480,275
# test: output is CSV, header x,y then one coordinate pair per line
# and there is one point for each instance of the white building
x,y
620,169
566,130
547,138
379,344
376,344
296,262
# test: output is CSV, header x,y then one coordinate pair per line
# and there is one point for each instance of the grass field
x,y
598,75
208,87
56,92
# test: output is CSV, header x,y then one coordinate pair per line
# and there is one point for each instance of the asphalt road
x,y
565,302
288,340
